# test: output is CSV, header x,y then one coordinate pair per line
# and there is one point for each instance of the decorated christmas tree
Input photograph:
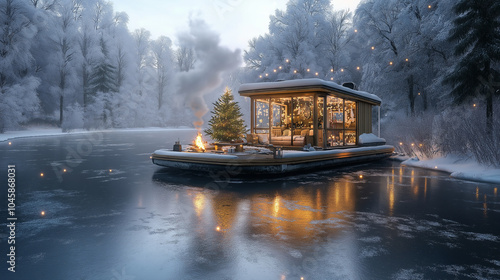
x,y
226,123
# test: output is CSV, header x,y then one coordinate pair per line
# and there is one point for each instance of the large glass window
x,y
262,113
281,133
340,122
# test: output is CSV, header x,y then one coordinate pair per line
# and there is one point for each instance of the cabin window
x,y
281,130
341,122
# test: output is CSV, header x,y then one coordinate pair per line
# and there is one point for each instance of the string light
x,y
308,69
474,105
400,143
316,73
390,63
217,228
42,213
341,69
355,31
41,174
64,170
429,6
274,70
287,60
294,71
373,47
279,67
357,68
10,143
331,70
110,170
267,74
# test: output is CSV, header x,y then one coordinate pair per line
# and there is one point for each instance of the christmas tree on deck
x,y
226,124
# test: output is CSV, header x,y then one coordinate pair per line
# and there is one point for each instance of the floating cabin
x,y
309,111
296,126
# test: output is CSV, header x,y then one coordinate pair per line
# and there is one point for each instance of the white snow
x,y
37,132
368,138
308,82
459,168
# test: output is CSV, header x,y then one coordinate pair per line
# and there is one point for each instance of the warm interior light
x,y
199,143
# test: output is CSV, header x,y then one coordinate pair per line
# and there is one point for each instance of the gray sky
x,y
237,21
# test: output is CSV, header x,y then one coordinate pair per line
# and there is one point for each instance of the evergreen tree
x,y
103,78
226,123
477,32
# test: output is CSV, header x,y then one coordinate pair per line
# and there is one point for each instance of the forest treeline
x,y
76,64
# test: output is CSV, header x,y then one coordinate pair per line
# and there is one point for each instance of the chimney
x,y
350,85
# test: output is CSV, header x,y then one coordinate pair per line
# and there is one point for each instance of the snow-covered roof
x,y
304,85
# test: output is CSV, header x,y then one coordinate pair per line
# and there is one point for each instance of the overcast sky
x,y
237,21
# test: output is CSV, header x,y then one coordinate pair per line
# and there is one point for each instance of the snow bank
x,y
305,83
38,132
459,168
370,138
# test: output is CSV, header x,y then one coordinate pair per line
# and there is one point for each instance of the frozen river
x,y
114,215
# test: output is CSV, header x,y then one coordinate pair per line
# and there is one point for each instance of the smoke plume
x,y
212,60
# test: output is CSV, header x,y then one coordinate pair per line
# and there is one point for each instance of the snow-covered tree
x,y
18,96
477,33
163,66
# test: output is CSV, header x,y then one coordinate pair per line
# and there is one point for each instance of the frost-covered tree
x,y
162,59
185,58
18,96
477,33
293,47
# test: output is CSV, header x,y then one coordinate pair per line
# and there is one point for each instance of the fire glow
x,y
199,143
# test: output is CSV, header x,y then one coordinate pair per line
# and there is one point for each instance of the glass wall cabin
x,y
324,121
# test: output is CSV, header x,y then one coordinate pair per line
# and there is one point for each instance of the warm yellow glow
x,y
373,47
430,6
267,74
419,93
420,145
199,142
308,69
274,70
64,170
316,73
10,143
279,67
495,191
41,174
342,70
360,176
331,78
406,60
150,157
436,167
391,199
287,60
400,143
276,206
217,228
412,144
474,105
390,63
477,193
357,68
294,71
42,213
199,203
260,76
111,170
355,30
331,70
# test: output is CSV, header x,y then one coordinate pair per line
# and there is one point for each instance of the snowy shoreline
x,y
457,167
41,132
